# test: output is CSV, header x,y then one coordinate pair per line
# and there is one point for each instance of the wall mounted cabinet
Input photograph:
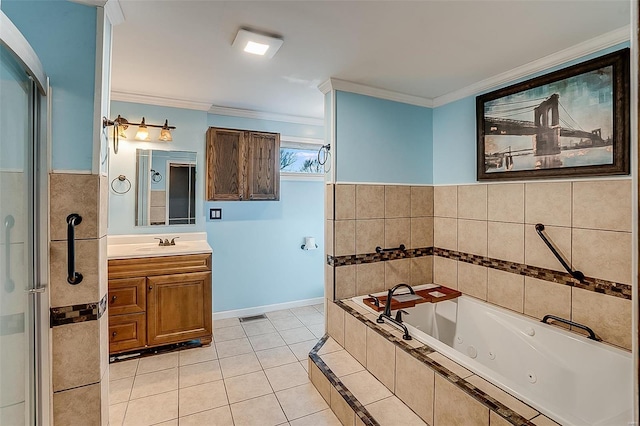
x,y
157,301
242,165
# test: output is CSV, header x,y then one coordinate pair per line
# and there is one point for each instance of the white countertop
x,y
144,245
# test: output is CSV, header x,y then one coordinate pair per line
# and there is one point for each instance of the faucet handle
x,y
399,314
160,243
166,242
173,241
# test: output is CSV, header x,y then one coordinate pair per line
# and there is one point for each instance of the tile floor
x,y
253,374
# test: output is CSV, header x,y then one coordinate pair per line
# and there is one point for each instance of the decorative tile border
x,y
357,259
345,393
421,354
596,285
77,313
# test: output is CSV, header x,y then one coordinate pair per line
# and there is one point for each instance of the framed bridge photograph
x,y
571,122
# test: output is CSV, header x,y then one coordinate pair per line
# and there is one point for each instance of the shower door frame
x,y
38,395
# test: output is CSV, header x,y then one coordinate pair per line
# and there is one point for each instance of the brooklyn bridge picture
x,y
571,122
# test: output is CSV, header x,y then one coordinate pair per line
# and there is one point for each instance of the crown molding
x,y
361,89
574,52
159,101
114,12
261,115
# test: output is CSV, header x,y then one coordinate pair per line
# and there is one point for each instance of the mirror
x,y
166,187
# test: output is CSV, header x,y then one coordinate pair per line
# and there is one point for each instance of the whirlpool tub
x,y
569,378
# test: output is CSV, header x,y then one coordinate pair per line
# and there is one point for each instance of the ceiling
x,y
181,49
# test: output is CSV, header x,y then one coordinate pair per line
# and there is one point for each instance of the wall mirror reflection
x,y
166,187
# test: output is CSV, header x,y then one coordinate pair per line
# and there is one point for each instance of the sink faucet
x,y
166,242
386,315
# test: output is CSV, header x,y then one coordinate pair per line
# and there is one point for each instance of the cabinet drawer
x,y
127,296
161,265
127,332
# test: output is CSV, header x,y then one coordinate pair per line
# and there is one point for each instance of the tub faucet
x,y
387,307
386,315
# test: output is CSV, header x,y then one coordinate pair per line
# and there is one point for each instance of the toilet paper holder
x,y
309,244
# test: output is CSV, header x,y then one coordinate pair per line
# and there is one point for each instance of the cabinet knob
x,y
114,334
241,196
113,299
150,287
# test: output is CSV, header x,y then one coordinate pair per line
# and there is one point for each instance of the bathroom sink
x,y
121,251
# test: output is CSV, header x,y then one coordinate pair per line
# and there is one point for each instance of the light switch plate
x,y
215,214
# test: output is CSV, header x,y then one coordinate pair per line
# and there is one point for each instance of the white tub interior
x,y
571,379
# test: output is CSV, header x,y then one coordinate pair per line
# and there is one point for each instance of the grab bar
x,y
381,250
575,274
9,284
592,335
73,277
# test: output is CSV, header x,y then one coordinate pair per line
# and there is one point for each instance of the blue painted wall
x,y
63,34
257,258
383,141
454,131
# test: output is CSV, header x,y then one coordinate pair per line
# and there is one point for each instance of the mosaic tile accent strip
x,y
345,393
357,259
77,313
421,354
596,285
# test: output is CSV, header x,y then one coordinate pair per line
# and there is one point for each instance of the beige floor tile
x,y
239,365
452,366
228,333
286,313
228,322
233,348
263,411
154,383
319,307
173,422
157,363
116,413
318,330
305,365
120,370
202,397
120,390
196,374
323,418
152,409
330,346
193,356
301,350
220,416
392,412
297,335
365,387
255,328
287,376
304,310
275,357
342,363
301,401
266,341
241,388
311,319
286,323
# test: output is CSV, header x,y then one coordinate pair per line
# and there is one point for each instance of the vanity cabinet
x,y
157,301
242,165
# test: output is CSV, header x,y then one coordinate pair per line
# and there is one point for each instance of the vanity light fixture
x,y
120,124
257,43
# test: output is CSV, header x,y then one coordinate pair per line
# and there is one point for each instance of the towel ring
x,y
121,178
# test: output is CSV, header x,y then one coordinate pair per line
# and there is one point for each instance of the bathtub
x,y
571,379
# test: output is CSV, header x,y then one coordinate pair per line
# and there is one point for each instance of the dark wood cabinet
x,y
242,165
157,301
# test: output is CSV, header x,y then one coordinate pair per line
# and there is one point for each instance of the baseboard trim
x,y
257,310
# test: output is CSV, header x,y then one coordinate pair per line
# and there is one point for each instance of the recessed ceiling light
x,y
257,44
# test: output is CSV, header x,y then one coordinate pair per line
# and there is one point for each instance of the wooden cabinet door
x,y
263,181
178,308
226,164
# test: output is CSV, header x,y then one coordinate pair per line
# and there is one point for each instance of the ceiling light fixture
x,y
257,43
120,124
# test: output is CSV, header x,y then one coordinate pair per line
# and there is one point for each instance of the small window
x,y
300,158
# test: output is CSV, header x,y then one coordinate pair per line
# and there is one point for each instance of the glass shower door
x,y
18,360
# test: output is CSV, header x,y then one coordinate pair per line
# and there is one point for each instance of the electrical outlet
x,y
215,214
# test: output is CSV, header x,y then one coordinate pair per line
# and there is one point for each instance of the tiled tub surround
x,y
529,359
376,375
485,245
